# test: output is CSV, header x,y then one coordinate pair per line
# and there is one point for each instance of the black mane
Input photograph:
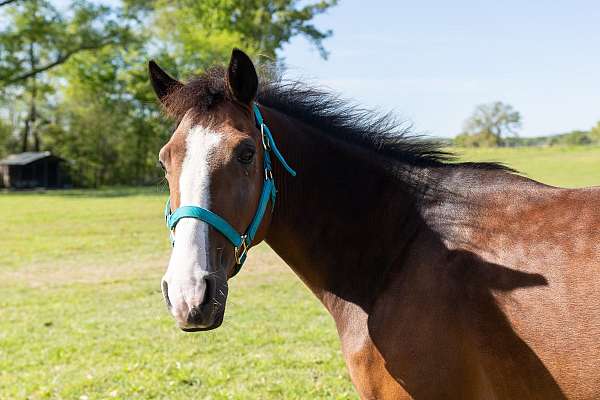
x,y
332,115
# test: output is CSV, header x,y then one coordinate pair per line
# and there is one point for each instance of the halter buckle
x,y
241,250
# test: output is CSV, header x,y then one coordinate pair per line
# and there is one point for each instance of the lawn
x,y
82,317
559,166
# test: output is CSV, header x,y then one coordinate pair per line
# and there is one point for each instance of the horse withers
x,y
445,280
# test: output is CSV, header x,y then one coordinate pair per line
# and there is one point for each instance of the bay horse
x,y
445,280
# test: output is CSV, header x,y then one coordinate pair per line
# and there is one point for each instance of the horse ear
x,y
242,80
162,82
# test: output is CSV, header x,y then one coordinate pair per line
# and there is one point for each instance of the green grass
x,y
558,166
81,314
114,337
79,224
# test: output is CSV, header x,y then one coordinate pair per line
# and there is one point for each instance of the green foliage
x,y
490,124
40,38
114,125
595,133
483,139
37,40
5,135
76,82
574,138
200,33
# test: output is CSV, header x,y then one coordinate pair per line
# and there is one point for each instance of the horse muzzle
x,y
202,308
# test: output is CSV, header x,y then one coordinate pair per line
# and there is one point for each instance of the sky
x,y
433,61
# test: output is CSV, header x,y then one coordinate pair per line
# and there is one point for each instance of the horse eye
x,y
162,165
246,156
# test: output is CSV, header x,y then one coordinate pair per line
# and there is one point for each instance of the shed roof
x,y
25,158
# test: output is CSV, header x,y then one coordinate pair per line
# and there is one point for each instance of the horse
x,y
445,279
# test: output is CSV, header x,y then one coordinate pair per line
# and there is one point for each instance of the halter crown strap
x,y
241,242
270,144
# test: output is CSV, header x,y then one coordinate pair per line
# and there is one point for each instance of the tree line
x,y
73,74
497,124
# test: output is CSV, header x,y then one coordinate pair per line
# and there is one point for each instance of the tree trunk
x,y
25,136
34,130
33,109
30,128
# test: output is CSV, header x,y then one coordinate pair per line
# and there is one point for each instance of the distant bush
x,y
495,125
595,133
484,139
574,138
571,139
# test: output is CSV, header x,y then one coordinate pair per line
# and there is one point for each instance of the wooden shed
x,y
31,170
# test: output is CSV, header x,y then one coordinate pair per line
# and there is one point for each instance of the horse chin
x,y
217,321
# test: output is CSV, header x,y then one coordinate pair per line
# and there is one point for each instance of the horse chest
x,y
369,375
388,359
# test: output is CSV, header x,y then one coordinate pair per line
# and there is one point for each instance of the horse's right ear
x,y
241,79
162,82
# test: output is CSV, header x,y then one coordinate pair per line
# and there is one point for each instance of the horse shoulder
x,y
538,269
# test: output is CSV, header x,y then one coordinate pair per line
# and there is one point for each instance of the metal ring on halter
x,y
244,247
265,139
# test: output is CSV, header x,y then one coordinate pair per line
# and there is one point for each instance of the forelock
x,y
201,93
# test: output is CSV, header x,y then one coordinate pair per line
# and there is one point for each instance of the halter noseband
x,y
241,242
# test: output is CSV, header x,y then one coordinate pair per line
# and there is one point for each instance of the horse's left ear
x,y
162,83
242,80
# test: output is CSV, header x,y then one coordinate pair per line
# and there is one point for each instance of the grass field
x,y
82,317
559,166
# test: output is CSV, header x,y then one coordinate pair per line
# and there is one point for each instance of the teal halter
x,y
241,242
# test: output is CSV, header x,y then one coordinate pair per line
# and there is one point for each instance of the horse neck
x,y
333,220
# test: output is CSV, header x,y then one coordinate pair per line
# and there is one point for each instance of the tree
x,y
7,2
37,40
5,134
196,34
492,122
87,83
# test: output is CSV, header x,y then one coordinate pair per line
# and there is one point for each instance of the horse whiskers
x,y
162,185
217,276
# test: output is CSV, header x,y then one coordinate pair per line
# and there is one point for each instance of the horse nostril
x,y
208,291
200,313
165,291
195,316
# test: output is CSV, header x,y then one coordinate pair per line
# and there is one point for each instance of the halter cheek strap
x,y
240,242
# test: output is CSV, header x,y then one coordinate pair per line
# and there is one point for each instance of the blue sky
x,y
432,61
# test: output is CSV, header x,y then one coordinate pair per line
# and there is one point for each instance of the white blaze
x,y
189,260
